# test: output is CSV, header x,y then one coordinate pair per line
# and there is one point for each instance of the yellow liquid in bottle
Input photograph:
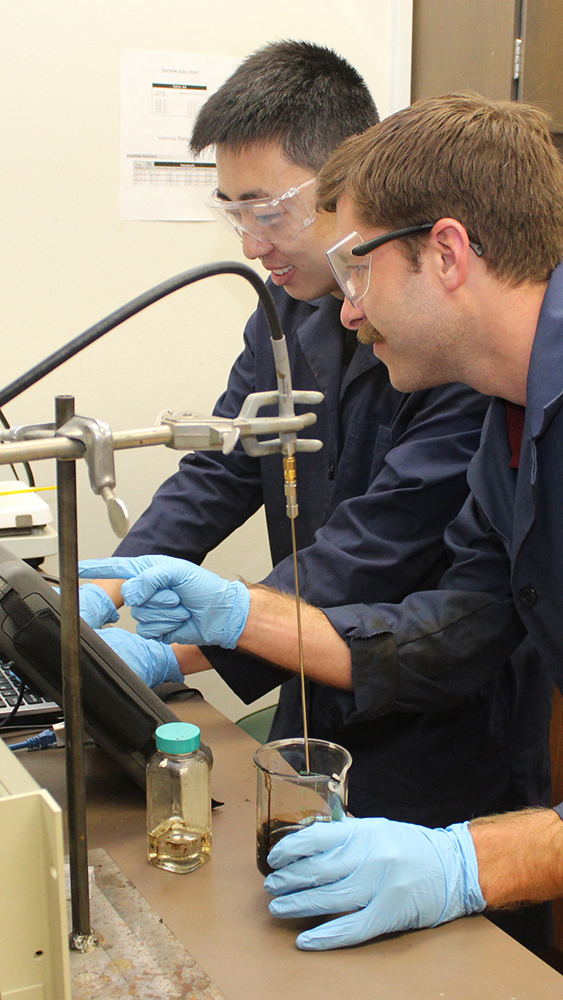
x,y
175,847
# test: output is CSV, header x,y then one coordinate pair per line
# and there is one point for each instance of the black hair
x,y
303,96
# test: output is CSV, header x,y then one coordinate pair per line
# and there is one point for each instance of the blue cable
x,y
47,738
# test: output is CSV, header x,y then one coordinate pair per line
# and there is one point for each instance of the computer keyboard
x,y
33,709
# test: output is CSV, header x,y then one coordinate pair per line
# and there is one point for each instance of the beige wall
x,y
67,258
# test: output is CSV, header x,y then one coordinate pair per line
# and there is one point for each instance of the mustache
x,y
367,334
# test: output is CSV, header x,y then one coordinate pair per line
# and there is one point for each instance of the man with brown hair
x,y
485,285
450,224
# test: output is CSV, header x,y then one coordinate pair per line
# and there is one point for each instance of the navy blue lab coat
x,y
437,648
506,547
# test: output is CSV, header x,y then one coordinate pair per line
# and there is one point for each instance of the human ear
x,y
450,243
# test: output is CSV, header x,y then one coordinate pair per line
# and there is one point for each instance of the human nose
x,y
352,316
253,248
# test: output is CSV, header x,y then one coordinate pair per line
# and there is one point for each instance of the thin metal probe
x,y
300,642
292,511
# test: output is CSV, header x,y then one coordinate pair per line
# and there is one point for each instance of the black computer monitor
x,y
120,712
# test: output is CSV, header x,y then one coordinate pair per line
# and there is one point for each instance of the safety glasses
x,y
270,220
350,259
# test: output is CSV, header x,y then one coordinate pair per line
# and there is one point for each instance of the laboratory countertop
x,y
219,912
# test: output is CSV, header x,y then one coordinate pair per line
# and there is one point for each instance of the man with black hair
x,y
374,502
301,96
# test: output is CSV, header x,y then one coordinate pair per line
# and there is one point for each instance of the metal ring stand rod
x,y
81,936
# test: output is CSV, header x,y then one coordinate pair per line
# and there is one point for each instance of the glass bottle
x,y
178,800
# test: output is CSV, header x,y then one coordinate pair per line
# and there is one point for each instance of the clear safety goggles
x,y
350,259
270,220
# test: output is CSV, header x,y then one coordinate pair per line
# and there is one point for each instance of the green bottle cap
x,y
177,737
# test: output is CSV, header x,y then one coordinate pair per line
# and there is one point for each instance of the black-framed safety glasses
x,y
350,258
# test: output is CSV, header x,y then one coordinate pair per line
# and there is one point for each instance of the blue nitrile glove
x,y
393,875
176,601
96,607
152,661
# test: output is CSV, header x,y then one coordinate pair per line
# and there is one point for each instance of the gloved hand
x,y
176,601
393,875
96,607
152,661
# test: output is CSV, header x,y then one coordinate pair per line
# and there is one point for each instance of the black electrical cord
x,y
130,309
135,306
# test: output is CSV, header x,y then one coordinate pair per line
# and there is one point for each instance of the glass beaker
x,y
288,796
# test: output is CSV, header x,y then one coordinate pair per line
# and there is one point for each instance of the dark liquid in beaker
x,y
268,835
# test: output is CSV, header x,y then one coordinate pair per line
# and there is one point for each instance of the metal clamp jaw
x,y
222,433
97,439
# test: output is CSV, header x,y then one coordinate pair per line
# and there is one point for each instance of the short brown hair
x,y
491,165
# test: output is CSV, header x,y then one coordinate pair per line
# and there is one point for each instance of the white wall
x,y
68,260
